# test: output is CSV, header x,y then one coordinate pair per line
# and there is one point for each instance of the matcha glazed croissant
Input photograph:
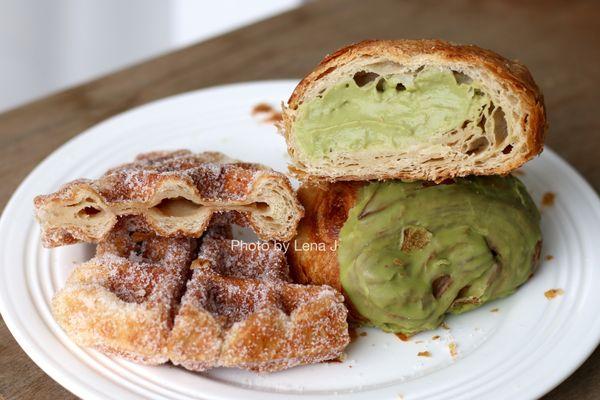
x,y
406,253
413,109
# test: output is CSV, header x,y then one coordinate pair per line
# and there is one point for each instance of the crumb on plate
x,y
548,199
552,293
452,348
267,112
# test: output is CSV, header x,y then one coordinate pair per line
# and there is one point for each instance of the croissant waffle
x,y
240,310
123,300
176,193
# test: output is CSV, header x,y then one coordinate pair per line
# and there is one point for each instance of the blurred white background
x,y
48,45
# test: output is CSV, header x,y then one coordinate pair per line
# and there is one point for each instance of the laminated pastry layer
x,y
175,193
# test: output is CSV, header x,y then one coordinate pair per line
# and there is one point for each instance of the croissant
x,y
406,253
413,110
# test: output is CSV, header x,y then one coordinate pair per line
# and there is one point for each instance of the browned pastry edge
x,y
327,207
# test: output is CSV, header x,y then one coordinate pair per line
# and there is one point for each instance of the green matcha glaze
x,y
394,111
410,252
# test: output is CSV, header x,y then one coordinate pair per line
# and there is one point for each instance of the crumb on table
x,y
424,354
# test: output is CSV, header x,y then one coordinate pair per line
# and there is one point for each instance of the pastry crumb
x,y
549,257
403,337
452,349
436,337
444,325
414,238
494,310
262,108
552,293
266,113
548,199
363,334
424,354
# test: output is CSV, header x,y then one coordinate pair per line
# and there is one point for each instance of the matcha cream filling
x,y
411,252
389,112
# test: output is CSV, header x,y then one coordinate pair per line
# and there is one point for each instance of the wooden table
x,y
557,40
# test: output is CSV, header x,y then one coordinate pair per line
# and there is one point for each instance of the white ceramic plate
x,y
519,352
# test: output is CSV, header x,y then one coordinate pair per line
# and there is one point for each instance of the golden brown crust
x,y
514,76
327,206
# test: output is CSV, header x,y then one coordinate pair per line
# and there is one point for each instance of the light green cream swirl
x,y
390,112
411,252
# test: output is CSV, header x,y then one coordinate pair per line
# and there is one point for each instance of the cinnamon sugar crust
x,y
123,300
239,307
241,310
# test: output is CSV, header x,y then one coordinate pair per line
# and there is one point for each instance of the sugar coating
x,y
239,309
252,316
214,175
123,300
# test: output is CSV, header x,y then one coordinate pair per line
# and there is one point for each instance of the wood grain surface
x,y
558,40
